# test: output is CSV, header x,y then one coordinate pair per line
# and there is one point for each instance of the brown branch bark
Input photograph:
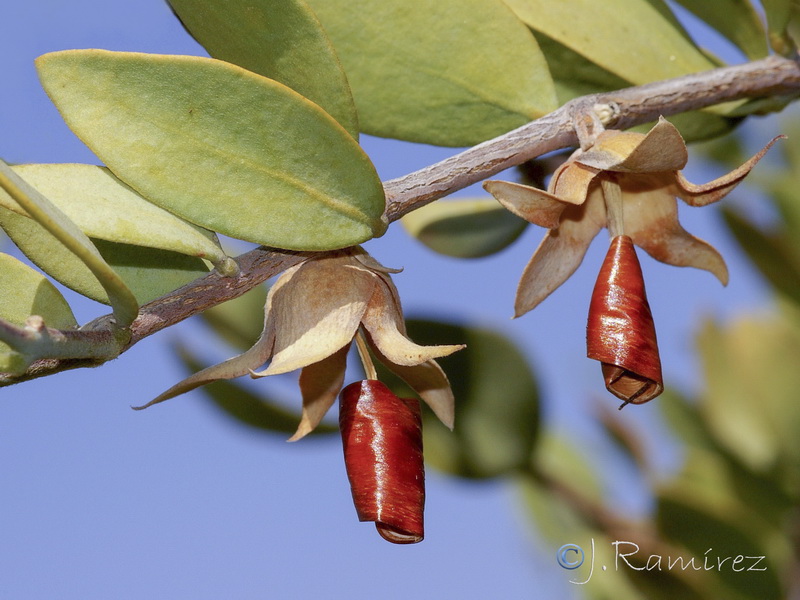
x,y
772,76
769,77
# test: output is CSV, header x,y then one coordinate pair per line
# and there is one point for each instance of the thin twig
x,y
770,77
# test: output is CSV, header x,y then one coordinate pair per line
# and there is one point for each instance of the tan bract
x,y
312,314
646,167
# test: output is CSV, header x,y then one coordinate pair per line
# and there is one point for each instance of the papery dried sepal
x,y
661,149
535,206
312,314
382,442
647,168
620,332
713,191
559,254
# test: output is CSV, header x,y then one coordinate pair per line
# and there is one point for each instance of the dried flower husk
x,y
647,168
382,441
620,332
312,314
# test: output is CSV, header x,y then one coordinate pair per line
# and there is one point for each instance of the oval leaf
x,y
105,208
629,38
147,272
279,39
451,72
737,20
774,253
220,146
753,359
56,224
464,228
25,292
779,15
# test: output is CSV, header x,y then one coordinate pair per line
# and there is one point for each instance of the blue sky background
x,y
99,501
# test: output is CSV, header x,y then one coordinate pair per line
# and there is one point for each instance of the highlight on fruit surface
x,y
620,332
382,441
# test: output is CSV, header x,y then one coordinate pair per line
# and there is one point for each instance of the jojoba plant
x,y
260,142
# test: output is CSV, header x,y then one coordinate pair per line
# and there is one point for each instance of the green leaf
x,y
562,522
573,74
497,403
239,403
629,38
220,146
779,16
451,72
775,255
25,292
56,224
561,459
752,384
464,228
239,321
279,39
151,273
666,13
685,420
696,126
713,533
737,20
783,185
729,394
105,208
714,469
148,273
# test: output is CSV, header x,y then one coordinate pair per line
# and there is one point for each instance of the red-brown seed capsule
x,y
382,440
620,332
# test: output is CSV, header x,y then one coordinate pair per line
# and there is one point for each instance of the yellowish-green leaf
x,y
780,14
559,522
105,208
737,20
57,224
573,74
629,38
666,13
220,146
692,519
279,39
752,382
25,292
149,273
451,72
699,125
774,253
464,228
